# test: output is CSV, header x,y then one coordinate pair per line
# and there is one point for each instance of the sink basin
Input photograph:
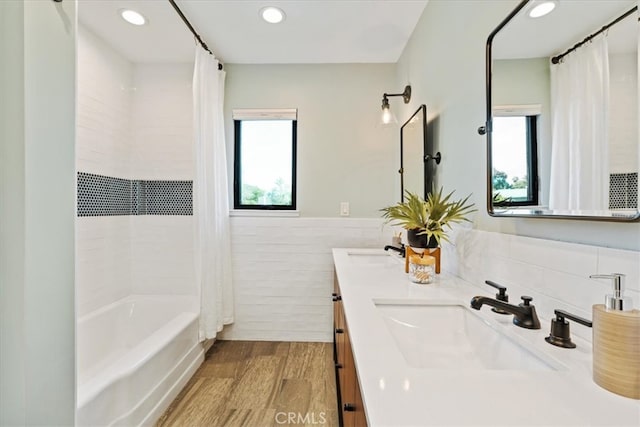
x,y
451,336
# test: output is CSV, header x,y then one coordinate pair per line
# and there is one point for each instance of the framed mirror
x,y
562,112
414,161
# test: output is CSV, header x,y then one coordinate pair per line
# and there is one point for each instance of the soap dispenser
x,y
616,341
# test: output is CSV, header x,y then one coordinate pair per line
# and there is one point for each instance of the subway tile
x,y
620,261
559,256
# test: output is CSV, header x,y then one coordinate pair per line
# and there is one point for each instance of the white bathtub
x,y
133,357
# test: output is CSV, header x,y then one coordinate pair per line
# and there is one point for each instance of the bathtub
x,y
133,357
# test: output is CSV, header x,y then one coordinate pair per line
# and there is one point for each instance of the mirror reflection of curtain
x,y
580,105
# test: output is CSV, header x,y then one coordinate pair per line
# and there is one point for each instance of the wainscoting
x,y
283,274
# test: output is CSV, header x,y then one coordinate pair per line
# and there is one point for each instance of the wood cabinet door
x,y
352,407
348,386
360,415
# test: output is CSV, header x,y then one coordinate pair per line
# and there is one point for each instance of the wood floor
x,y
256,384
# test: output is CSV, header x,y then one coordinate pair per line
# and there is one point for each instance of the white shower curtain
x,y
580,117
210,194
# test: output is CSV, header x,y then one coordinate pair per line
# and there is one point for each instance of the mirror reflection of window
x,y
582,172
514,178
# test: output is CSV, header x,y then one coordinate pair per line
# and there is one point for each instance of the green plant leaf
x,y
430,216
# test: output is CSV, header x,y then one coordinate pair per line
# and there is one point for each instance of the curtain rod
x,y
193,31
557,59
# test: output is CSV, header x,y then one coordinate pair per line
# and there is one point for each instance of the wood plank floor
x,y
259,383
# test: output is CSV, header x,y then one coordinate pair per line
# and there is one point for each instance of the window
x,y
265,159
514,158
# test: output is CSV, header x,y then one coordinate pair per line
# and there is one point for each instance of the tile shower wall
x,y
162,122
162,135
134,128
555,274
103,245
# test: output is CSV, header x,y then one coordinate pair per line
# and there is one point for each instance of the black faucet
x,y
400,250
500,296
560,335
524,314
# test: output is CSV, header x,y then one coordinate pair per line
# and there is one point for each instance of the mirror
x,y
562,134
414,173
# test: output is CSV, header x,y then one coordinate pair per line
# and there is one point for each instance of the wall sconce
x,y
387,116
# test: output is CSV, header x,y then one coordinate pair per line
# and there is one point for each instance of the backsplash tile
x,y
555,274
619,261
100,195
559,256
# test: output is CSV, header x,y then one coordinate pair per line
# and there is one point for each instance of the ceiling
x,y
314,31
569,23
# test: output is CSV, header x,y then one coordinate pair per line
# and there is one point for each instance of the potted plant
x,y
427,221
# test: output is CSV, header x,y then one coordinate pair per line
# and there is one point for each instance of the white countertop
x,y
396,394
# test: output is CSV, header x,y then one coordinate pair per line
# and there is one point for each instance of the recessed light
x,y
272,14
542,9
133,17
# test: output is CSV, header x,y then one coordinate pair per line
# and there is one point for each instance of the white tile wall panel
x,y
549,254
555,274
162,254
104,108
162,134
134,122
619,261
102,261
283,273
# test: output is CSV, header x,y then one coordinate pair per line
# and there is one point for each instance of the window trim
x,y
531,115
237,170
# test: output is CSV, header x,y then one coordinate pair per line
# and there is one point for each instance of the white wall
x,y
444,62
162,122
134,122
37,201
105,87
283,274
162,149
103,146
343,154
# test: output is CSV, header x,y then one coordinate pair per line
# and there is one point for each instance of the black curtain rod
x,y
557,59
193,31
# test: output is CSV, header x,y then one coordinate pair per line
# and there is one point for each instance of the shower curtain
x,y
210,194
580,117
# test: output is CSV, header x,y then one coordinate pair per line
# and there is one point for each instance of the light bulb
x,y
386,116
272,15
132,17
542,9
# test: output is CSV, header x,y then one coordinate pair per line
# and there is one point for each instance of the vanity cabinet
x,y
349,397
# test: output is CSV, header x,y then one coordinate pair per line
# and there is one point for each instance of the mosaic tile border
x,y
100,195
623,190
